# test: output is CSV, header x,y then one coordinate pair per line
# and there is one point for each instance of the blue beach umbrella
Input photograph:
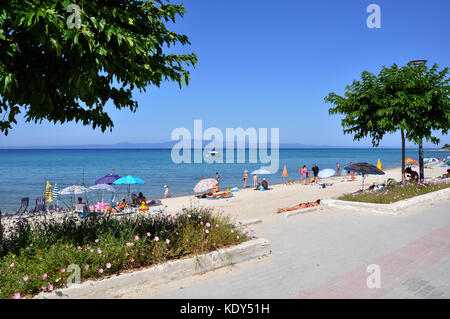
x,y
128,180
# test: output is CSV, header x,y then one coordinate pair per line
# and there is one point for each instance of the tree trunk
x,y
403,158
421,174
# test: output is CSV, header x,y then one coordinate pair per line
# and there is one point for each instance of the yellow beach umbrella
x,y
379,166
48,193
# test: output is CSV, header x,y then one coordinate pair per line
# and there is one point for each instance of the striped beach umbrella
x,y
55,193
48,193
364,169
205,185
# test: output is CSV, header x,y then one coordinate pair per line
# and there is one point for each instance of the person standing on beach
x,y
245,179
255,180
166,193
338,169
303,172
217,178
315,170
352,173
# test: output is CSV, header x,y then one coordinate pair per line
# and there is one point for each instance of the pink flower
x,y
63,270
108,265
130,244
208,224
199,216
96,240
206,231
237,237
91,250
148,234
100,270
78,247
189,215
99,250
232,231
156,238
201,223
44,288
17,295
12,265
25,278
132,260
50,287
136,237
87,267
44,276
217,225
168,241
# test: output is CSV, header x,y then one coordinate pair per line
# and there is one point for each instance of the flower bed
x,y
395,193
35,256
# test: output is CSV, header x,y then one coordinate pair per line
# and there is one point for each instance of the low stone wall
x,y
162,273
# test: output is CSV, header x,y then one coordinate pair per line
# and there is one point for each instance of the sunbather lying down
x,y
299,206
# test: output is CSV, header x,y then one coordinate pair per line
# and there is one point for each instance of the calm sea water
x,y
23,173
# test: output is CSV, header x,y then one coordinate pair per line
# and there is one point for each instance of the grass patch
x,y
35,256
394,193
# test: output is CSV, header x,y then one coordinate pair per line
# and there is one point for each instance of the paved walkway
x,y
326,254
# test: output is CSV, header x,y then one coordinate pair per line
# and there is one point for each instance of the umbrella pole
x,y
363,176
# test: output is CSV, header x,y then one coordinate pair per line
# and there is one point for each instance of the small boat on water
x,y
213,153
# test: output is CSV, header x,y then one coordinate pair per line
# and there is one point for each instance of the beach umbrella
x,y
107,179
128,180
379,166
205,185
48,193
364,169
103,188
411,162
328,172
447,163
285,173
74,190
55,193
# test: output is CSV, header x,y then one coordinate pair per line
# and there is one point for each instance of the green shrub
x,y
34,256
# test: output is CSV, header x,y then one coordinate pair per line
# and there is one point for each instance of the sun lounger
x,y
23,205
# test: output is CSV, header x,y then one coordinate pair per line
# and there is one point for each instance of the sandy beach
x,y
249,203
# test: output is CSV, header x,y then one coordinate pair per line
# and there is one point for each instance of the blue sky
x,y
270,64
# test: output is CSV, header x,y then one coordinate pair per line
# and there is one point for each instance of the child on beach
x,y
166,193
303,172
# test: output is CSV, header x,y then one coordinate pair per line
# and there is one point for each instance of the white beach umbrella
x,y
328,172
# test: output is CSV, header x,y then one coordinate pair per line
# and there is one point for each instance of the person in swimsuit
x,y
255,180
116,209
245,179
303,171
315,170
299,206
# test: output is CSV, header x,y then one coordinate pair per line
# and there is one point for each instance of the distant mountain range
x,y
164,145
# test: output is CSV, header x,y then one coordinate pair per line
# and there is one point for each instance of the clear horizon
x,y
269,66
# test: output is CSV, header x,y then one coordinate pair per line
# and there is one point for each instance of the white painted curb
x,y
390,209
163,273
301,211
250,222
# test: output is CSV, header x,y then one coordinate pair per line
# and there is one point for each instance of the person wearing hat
x,y
245,179
166,193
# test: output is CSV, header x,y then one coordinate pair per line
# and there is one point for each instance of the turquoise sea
x,y
23,173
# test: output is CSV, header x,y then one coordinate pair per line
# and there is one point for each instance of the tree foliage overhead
x,y
51,71
413,99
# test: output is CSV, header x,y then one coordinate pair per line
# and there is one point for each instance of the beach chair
x,y
82,210
40,205
23,205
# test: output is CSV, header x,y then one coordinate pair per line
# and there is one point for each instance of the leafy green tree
x,y
53,68
412,100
